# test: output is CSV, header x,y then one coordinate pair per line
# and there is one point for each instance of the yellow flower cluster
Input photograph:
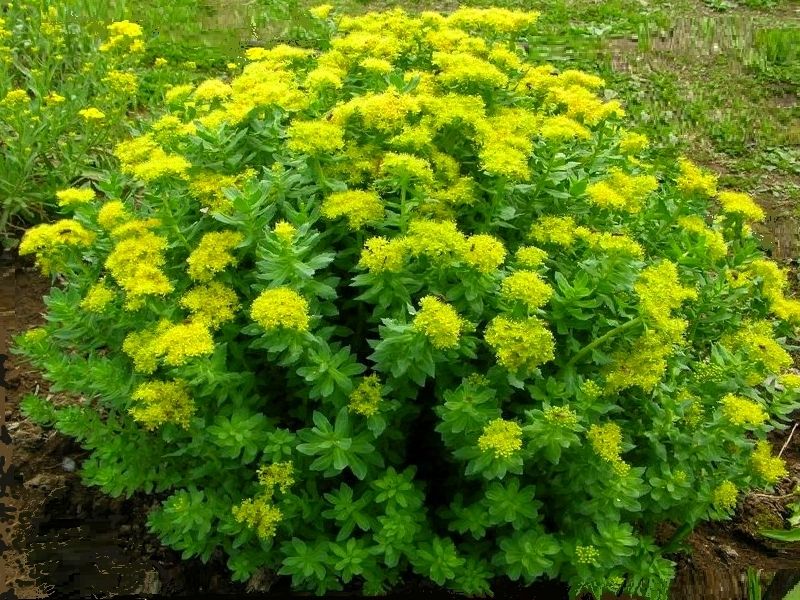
x,y
213,254
741,411
737,203
75,196
774,281
631,142
724,496
98,298
520,345
620,191
561,416
123,35
660,293
92,114
209,188
755,339
642,365
259,514
358,206
160,402
315,137
213,304
122,82
279,474
767,467
693,180
559,231
173,344
365,399
280,308
46,242
586,555
606,441
713,240
135,263
439,322
503,438
526,287
530,257
145,159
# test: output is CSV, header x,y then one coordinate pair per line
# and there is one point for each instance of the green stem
x,y
676,539
602,340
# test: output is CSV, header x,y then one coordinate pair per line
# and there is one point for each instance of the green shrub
x,y
413,303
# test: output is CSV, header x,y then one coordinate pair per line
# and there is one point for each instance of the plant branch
x,y
602,340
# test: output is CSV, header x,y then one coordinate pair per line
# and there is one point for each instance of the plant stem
x,y
602,340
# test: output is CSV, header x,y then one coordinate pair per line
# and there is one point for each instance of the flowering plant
x,y
410,302
66,95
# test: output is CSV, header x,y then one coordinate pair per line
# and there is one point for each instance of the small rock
x,y
125,528
151,584
728,551
68,464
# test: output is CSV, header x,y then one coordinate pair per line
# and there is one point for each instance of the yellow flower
x,y
606,441
92,114
693,180
526,287
530,257
439,322
380,255
621,191
213,254
755,339
75,196
279,474
212,89
160,402
741,411
586,555
559,231
160,62
407,167
98,298
122,82
724,496
502,438
47,240
660,292
376,65
285,231
280,308
501,20
315,137
520,345
360,207
213,305
714,240
321,12
54,98
642,365
15,99
561,416
485,252
179,343
366,398
767,467
560,127
737,203
135,264
631,142
259,514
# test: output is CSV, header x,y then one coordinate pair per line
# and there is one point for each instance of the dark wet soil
x,y
67,540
